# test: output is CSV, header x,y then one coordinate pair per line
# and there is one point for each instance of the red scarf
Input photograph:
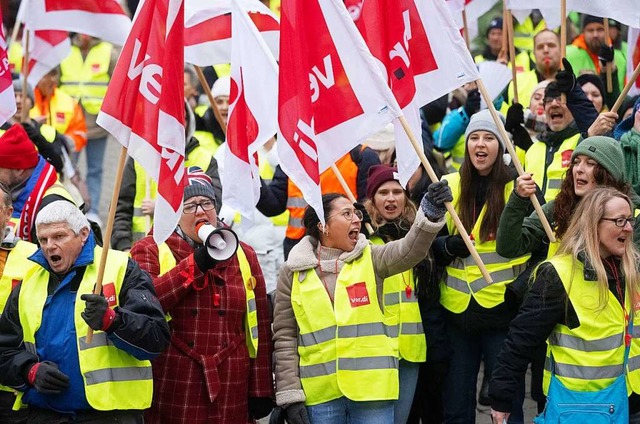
x,y
46,179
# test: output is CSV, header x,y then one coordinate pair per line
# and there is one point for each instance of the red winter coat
x,y
206,375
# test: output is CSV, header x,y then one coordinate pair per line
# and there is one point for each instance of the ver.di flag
x,y
144,105
207,33
332,94
252,112
104,19
7,97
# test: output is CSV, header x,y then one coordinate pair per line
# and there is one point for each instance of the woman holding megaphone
x,y
218,366
335,355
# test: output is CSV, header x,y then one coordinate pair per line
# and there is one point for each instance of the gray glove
x,y
432,204
297,413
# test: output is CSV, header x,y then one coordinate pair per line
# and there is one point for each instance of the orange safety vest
x,y
328,184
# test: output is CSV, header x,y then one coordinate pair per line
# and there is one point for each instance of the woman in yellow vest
x,y
392,213
335,361
584,303
477,313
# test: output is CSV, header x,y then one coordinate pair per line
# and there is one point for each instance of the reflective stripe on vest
x,y
328,183
403,314
113,379
167,262
86,80
463,278
140,223
554,173
589,357
343,345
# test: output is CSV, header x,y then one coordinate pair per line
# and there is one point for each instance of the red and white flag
x,y
207,32
332,95
633,58
423,56
7,97
253,112
47,49
104,19
144,105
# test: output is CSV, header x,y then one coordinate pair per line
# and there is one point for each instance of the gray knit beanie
x,y
604,150
17,87
482,121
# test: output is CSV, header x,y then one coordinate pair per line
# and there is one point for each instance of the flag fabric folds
x,y
252,112
47,49
633,58
7,97
207,33
144,105
104,19
331,93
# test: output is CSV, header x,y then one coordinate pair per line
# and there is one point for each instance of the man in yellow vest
x,y
14,264
32,180
493,49
45,353
136,200
85,75
218,367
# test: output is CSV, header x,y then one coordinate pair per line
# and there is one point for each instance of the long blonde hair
x,y
582,236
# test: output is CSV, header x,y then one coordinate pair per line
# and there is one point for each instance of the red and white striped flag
x,y
104,19
207,33
332,95
144,104
47,48
7,97
424,56
252,112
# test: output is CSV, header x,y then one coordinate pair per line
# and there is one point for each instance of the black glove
x,y
515,117
454,245
432,203
366,219
203,260
260,407
521,138
605,54
47,379
95,311
565,79
297,413
46,149
473,103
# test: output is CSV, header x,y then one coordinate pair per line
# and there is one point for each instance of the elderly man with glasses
x,y
218,367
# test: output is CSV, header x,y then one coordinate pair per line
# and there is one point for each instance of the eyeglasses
x,y
348,214
549,100
189,208
621,222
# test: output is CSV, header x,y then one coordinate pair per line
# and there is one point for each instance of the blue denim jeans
x,y
461,386
345,411
408,378
95,158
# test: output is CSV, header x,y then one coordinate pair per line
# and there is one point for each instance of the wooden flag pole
x,y
214,106
465,31
505,34
563,28
514,158
24,112
14,32
609,66
452,212
348,191
626,89
107,233
512,53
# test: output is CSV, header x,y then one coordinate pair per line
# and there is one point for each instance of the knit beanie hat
x,y
197,183
604,150
222,87
482,121
496,23
593,79
17,151
589,19
17,87
378,175
383,139
627,123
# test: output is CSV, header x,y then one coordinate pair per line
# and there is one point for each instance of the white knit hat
x,y
222,87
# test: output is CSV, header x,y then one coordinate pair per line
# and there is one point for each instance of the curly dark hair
x,y
567,200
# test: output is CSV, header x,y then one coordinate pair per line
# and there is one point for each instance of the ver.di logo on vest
x,y
358,294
